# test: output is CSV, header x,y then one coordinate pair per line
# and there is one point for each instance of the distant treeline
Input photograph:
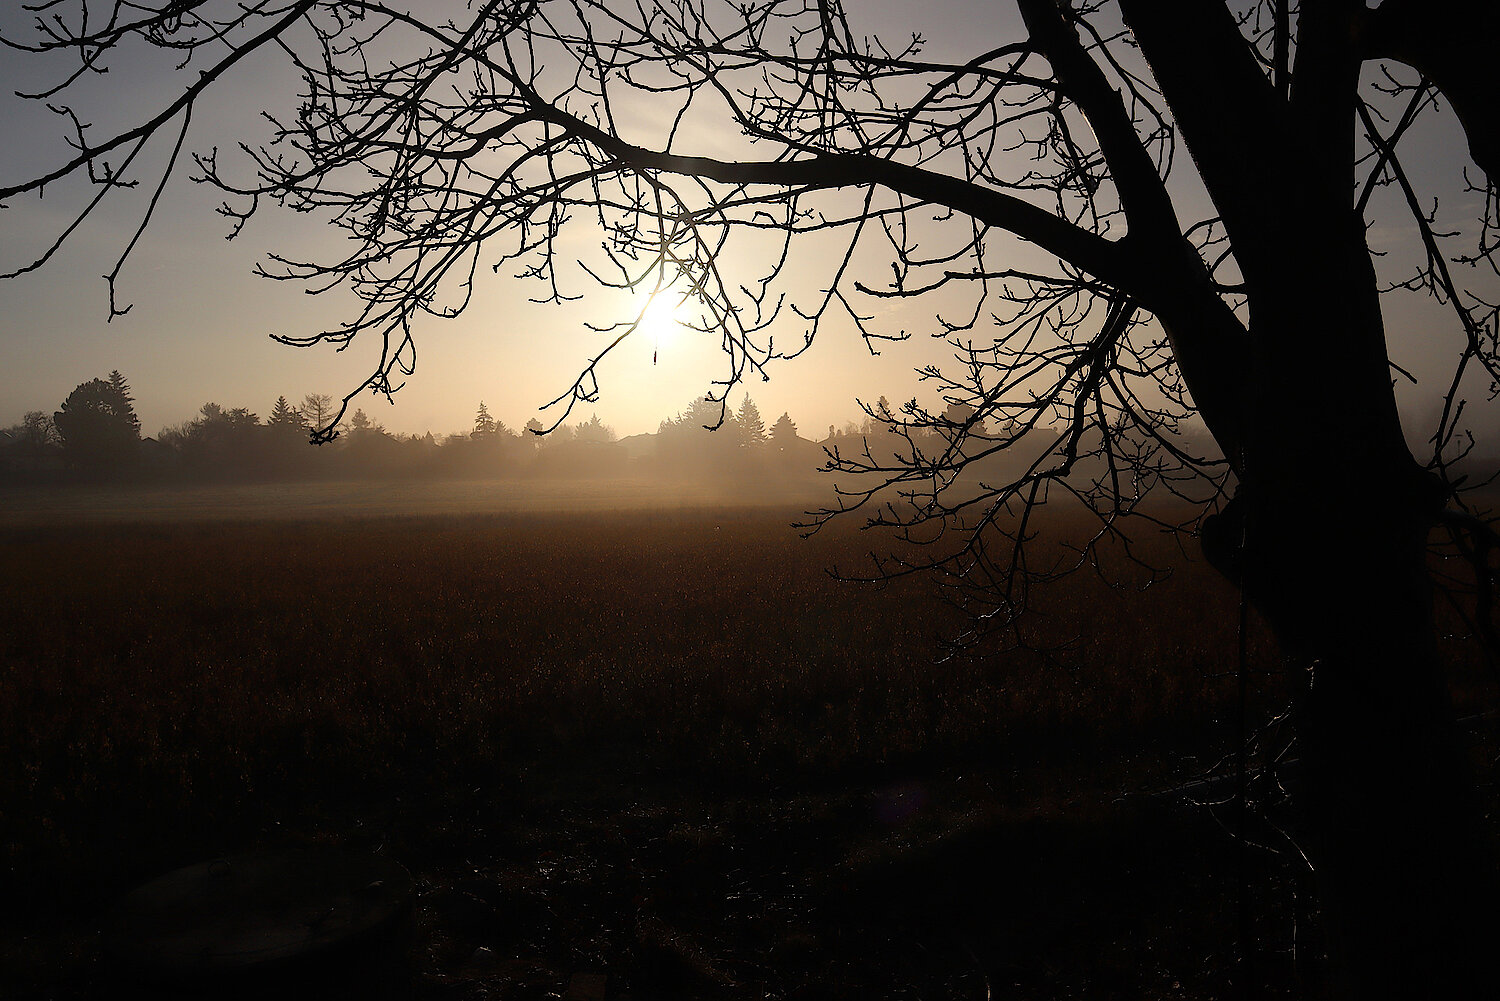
x,y
96,435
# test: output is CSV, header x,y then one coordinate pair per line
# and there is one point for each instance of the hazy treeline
x,y
96,435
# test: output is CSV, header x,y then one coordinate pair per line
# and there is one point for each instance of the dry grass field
x,y
660,745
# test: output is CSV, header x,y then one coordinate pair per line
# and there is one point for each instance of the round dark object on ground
x,y
256,912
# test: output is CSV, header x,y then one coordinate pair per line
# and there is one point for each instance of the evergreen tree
x,y
752,427
287,431
242,417
704,412
594,430
484,424
783,432
99,428
122,389
286,416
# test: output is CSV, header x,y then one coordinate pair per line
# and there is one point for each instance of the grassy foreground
x,y
662,747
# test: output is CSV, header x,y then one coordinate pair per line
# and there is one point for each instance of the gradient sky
x,y
199,330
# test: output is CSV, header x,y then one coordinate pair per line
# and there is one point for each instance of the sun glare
x,y
660,321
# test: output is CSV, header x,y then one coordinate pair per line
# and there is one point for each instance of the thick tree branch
x,y
1109,260
1207,339
1232,125
1451,42
1148,208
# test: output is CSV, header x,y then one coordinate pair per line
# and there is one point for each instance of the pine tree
x,y
752,427
703,412
783,432
126,401
484,424
594,430
284,415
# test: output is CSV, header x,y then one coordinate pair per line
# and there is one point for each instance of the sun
x,y
661,322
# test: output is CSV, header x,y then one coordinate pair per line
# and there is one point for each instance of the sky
x,y
200,323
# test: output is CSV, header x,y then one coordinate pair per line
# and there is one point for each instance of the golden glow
x,y
661,319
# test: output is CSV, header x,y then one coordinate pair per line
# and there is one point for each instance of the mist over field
x,y
624,732
322,500
657,713
633,734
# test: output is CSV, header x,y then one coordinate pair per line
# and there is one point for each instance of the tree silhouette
x,y
594,430
783,431
285,417
752,427
36,431
31,444
704,412
219,442
484,424
122,390
1026,186
321,415
361,423
286,449
98,426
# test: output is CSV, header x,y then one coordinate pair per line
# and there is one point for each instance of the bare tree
x,y
1026,185
318,410
36,431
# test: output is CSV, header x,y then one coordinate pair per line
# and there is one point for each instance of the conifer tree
x,y
484,424
594,430
752,427
126,401
783,432
703,412
284,415
318,409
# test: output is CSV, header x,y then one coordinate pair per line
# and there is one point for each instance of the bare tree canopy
x,y
786,167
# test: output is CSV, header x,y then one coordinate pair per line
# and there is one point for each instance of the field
x,y
658,744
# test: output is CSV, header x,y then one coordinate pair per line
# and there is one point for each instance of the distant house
x,y
637,446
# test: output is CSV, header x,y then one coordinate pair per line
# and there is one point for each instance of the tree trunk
x,y
1335,521
1387,811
